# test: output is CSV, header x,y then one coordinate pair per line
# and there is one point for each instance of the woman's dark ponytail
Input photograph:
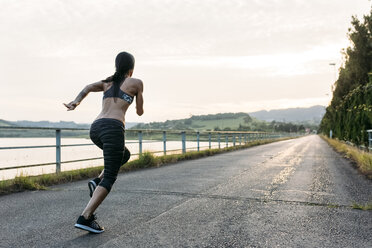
x,y
124,62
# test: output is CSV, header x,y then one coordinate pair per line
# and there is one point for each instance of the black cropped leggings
x,y
108,134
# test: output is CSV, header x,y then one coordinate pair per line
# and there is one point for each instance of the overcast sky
x,y
194,57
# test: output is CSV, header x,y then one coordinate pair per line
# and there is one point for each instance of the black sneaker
x,y
92,184
89,225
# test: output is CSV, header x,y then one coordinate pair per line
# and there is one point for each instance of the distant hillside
x,y
297,115
6,123
225,122
60,124
45,133
201,122
301,119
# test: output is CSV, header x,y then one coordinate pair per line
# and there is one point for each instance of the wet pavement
x,y
294,193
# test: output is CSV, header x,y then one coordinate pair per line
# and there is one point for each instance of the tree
x,y
350,111
247,119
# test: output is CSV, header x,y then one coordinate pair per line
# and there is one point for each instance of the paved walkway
x,y
293,193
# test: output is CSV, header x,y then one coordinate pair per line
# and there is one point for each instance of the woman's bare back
x,y
115,108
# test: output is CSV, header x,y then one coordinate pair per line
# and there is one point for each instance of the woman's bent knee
x,y
107,183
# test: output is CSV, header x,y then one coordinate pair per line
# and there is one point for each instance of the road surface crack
x,y
232,198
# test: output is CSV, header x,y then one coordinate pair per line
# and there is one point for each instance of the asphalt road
x,y
294,193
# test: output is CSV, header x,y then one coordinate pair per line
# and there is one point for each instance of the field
x,y
221,124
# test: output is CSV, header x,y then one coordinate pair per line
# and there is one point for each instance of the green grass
x,y
368,206
22,183
147,160
211,124
225,123
363,160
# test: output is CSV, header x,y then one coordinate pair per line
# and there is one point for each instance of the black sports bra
x,y
110,93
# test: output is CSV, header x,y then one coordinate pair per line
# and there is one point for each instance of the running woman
x,y
107,131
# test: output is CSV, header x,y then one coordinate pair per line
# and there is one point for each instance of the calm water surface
x,y
18,157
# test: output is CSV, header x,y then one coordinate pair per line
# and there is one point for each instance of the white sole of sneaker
x,y
89,229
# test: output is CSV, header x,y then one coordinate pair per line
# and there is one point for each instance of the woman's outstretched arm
x,y
94,87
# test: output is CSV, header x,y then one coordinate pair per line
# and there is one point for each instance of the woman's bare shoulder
x,y
106,85
136,83
135,80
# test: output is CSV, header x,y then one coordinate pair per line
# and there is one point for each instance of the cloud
x,y
232,49
280,64
176,28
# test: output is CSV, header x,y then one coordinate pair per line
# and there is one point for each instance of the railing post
x,y
210,140
369,140
197,140
227,140
58,150
183,142
140,142
245,138
165,142
233,139
219,141
240,139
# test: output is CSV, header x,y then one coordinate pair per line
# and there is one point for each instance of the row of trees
x,y
222,116
235,122
269,127
350,113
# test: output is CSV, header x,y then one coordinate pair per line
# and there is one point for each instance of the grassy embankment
x,y
361,159
147,160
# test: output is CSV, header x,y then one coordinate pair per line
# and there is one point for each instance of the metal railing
x,y
211,137
361,147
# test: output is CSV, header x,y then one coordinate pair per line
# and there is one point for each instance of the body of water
x,y
19,157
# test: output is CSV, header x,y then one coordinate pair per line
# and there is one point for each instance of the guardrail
x,y
361,147
217,137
